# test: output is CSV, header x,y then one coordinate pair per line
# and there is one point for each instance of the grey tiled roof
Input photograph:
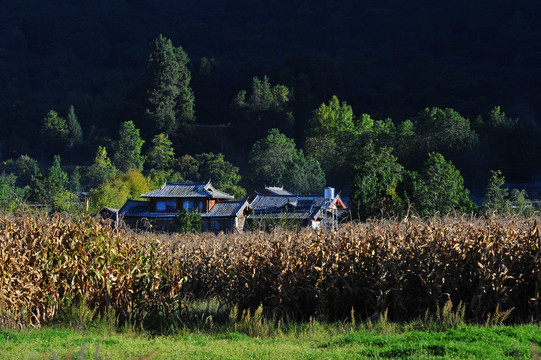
x,y
226,209
267,202
277,190
135,208
271,201
172,190
286,206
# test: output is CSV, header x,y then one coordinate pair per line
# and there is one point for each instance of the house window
x,y
188,205
215,225
219,224
166,205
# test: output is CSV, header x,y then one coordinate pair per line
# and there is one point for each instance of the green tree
x,y
11,195
496,198
74,128
26,169
114,192
137,184
7,184
161,154
404,141
270,159
444,129
101,169
188,222
374,187
264,107
332,120
439,188
169,95
306,176
188,167
75,180
56,174
51,189
275,161
334,135
223,174
327,152
55,129
330,125
158,177
128,148
264,97
521,203
498,119
109,194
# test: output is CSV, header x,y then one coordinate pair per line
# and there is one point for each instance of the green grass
x,y
304,341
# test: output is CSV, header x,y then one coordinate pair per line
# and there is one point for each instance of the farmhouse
x,y
165,203
270,205
278,205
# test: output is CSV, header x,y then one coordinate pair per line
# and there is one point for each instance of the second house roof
x,y
182,190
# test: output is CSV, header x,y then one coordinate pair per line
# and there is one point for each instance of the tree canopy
x,y
375,182
127,153
444,129
263,108
275,161
438,188
169,95
223,174
161,155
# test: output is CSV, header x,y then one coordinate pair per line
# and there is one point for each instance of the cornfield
x,y
402,268
47,264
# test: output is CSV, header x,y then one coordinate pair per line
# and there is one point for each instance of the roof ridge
x,y
283,195
184,183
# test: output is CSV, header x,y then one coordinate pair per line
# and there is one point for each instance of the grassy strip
x,y
308,341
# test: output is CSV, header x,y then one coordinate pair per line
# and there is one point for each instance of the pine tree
x,y
185,109
169,96
101,170
74,128
262,108
161,154
128,148
51,189
55,128
496,199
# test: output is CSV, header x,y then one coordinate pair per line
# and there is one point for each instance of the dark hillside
x,y
387,60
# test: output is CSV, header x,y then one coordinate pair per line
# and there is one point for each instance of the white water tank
x,y
329,193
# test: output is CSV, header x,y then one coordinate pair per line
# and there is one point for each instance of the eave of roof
x,y
141,209
283,215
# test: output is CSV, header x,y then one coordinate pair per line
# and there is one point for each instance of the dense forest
x,y
377,100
